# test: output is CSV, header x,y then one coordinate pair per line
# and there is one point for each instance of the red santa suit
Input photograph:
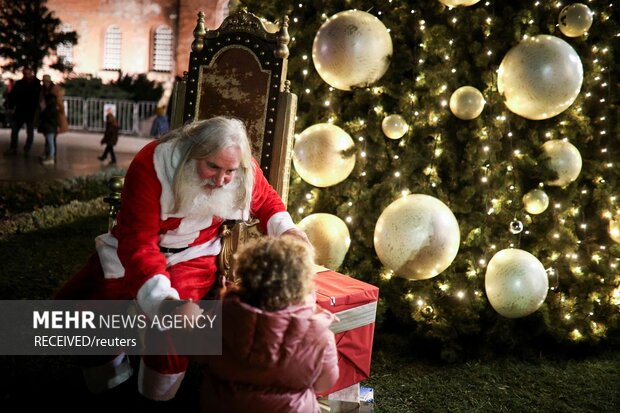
x,y
130,263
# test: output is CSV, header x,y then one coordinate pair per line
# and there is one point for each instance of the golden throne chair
x,y
239,70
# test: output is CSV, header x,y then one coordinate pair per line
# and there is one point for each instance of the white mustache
x,y
211,182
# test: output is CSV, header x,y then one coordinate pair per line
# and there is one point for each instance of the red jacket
x,y
271,362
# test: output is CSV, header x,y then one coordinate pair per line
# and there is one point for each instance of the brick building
x,y
133,36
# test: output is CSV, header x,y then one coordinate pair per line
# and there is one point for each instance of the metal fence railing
x,y
89,114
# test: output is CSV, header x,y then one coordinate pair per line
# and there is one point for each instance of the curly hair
x,y
274,272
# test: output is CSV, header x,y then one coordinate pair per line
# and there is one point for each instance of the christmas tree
x,y
480,168
30,33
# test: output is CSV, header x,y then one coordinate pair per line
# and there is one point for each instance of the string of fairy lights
x,y
581,259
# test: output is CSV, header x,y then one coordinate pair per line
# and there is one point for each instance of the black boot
x,y
144,405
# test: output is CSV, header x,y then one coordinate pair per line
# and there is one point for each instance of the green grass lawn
x,y
408,383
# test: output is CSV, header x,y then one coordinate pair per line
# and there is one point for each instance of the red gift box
x,y
355,303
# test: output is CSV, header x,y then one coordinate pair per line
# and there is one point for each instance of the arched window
x,y
64,51
162,49
112,48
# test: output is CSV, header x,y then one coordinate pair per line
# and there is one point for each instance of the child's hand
x,y
184,308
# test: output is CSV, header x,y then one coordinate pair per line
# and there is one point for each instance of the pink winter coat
x,y
271,362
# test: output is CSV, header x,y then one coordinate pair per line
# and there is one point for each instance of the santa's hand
x,y
297,233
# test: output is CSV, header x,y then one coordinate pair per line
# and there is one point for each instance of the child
x,y
160,124
277,349
110,138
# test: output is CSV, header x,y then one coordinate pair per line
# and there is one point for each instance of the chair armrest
x,y
235,234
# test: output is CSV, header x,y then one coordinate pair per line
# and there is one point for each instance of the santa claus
x,y
177,193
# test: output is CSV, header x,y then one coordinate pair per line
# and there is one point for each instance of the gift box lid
x,y
337,292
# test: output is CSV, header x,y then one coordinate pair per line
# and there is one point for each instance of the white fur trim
x,y
107,245
109,375
166,160
187,231
153,292
158,386
279,223
212,247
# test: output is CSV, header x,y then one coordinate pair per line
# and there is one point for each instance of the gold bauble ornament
x,y
515,227
455,3
352,49
540,77
417,237
394,126
329,236
536,201
467,103
575,20
427,311
516,283
564,159
323,155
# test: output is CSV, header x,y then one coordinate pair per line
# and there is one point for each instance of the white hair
x,y
203,138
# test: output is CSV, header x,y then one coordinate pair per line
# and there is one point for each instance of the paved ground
x,y
76,156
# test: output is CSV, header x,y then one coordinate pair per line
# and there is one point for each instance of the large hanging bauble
x,y
614,228
564,159
323,155
536,201
575,20
417,237
467,103
352,49
540,77
394,126
516,283
454,3
329,236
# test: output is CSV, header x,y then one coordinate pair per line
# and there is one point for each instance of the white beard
x,y
200,203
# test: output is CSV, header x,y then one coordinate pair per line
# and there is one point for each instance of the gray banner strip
x,y
355,317
107,328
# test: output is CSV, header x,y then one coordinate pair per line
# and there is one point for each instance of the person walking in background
x,y
24,98
277,349
50,89
110,138
48,125
160,124
8,108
